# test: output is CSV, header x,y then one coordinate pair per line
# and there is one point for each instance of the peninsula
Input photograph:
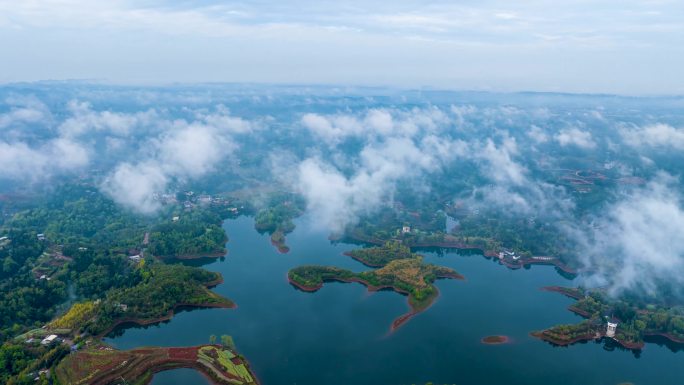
x,y
101,365
627,321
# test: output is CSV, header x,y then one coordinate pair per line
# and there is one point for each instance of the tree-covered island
x,y
628,321
401,271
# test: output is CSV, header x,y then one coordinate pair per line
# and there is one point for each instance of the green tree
x,y
227,341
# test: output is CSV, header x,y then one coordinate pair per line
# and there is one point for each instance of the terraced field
x,y
103,365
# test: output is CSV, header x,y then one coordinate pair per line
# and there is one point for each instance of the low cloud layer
x,y
350,157
576,137
187,152
20,161
23,110
85,120
374,124
400,147
654,135
637,245
338,200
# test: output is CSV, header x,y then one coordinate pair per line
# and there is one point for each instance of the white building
x,y
405,229
610,329
49,339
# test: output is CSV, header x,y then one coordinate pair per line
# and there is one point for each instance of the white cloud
x,y
67,154
222,120
537,134
188,151
376,123
332,129
514,191
501,167
193,150
84,120
24,110
19,161
576,137
463,113
380,121
134,186
654,135
337,200
638,245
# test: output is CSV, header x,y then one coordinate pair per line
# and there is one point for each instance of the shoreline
x,y
585,337
668,336
145,362
553,341
361,261
403,319
278,241
185,257
576,295
495,340
167,317
568,292
172,366
172,312
527,261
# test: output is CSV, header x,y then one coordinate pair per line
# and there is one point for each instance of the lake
x,y
340,334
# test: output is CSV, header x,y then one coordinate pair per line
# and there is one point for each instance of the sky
x,y
633,47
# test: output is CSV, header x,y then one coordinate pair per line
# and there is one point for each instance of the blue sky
x,y
627,47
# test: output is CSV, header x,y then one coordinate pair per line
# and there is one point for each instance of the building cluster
x,y
190,199
508,255
49,339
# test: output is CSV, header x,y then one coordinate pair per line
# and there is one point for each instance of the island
x,y
408,276
100,364
627,321
495,340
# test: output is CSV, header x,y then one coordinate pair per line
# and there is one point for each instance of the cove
x,y
339,335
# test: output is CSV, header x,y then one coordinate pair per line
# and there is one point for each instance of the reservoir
x,y
340,334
